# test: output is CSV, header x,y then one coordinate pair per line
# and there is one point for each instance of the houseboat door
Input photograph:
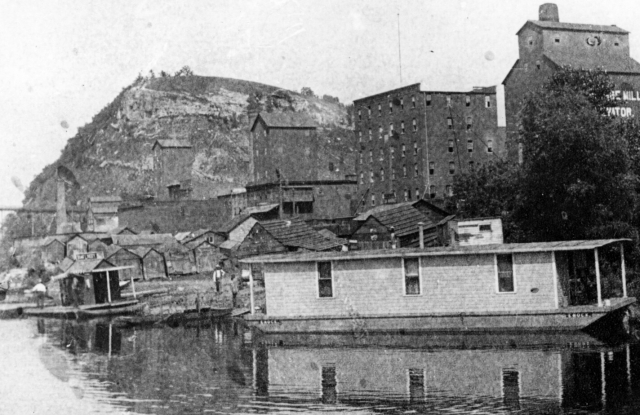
x,y
101,291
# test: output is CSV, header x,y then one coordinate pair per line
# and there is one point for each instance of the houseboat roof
x,y
439,251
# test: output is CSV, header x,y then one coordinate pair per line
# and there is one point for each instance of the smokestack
x,y
421,233
61,210
548,12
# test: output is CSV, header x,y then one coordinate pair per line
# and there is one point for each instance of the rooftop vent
x,y
548,12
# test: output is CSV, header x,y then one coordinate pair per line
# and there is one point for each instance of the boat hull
x,y
558,320
85,312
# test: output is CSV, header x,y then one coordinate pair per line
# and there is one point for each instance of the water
x,y
54,366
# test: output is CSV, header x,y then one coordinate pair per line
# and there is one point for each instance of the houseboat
x,y
547,286
89,288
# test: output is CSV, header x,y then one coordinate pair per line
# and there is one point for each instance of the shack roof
x,y
261,208
438,251
296,233
105,209
143,239
173,143
382,208
86,266
105,199
233,223
296,120
120,229
403,217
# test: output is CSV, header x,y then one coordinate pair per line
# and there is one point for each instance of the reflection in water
x,y
213,368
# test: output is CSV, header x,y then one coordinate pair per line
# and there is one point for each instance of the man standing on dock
x,y
217,276
41,291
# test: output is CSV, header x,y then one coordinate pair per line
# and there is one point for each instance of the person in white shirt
x,y
217,276
41,291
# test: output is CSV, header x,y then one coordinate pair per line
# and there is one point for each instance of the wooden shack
x,y
76,244
53,251
207,255
94,281
153,264
126,258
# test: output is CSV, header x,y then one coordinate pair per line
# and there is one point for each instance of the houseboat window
x,y
325,283
412,276
485,228
505,273
416,385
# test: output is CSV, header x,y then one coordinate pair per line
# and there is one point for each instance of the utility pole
x,y
280,195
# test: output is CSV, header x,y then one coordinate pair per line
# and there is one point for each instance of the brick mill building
x,y
412,142
293,166
548,44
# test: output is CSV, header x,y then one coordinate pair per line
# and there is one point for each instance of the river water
x,y
66,367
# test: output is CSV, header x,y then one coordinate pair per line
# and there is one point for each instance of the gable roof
x,y
66,263
120,229
609,62
105,199
173,143
196,234
573,27
105,209
86,266
261,208
143,239
296,120
233,223
296,233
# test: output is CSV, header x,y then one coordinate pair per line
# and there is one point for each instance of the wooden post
x,y
108,288
555,278
598,278
624,272
133,286
251,290
421,234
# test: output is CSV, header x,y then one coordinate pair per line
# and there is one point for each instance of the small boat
x,y
86,311
139,320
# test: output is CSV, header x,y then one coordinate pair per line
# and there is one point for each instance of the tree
x,y
307,92
184,71
577,180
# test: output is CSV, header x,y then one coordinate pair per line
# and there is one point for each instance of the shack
x,y
94,281
76,244
153,263
53,251
123,257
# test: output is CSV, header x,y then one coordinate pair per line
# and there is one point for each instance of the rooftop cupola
x,y
548,12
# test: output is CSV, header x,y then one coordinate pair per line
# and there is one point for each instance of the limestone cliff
x,y
112,155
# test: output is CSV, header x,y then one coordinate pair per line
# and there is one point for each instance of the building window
x,y
448,101
471,165
382,175
537,64
390,107
379,132
359,136
361,157
616,42
360,114
511,389
381,153
415,170
506,280
470,145
413,101
487,101
450,123
417,389
406,195
370,156
557,39
404,170
329,383
432,167
428,100
404,151
361,177
530,41
411,276
369,109
489,146
449,190
393,174
371,177
373,200
402,126
452,167
325,280
379,110
392,153
520,153
390,129
432,192
450,145
469,122
485,228
415,149
370,134
467,101
415,125
331,166
401,103
258,175
417,193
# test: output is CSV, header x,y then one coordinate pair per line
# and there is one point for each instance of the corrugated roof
x,y
296,233
286,120
233,223
403,217
173,143
606,62
438,251
576,27
85,266
105,199
381,208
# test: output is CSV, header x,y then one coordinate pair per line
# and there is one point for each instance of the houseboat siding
x,y
463,283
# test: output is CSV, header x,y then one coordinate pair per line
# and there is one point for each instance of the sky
x,y
61,61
